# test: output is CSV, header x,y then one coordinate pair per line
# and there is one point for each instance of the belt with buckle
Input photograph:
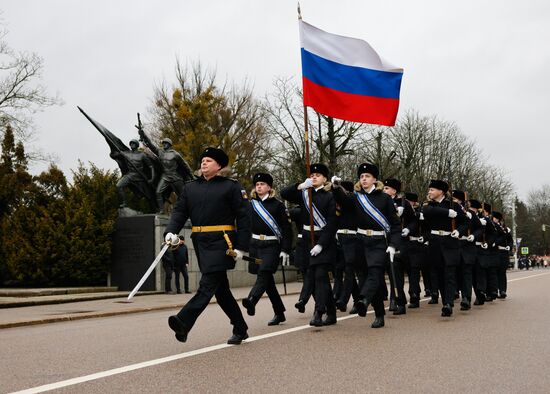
x,y
502,248
300,235
414,238
369,233
442,233
211,229
263,237
346,231
479,243
315,228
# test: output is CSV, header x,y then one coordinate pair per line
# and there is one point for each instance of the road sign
x,y
524,250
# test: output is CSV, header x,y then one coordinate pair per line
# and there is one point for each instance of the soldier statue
x,y
175,170
139,174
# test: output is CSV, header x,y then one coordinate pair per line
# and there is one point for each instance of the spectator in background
x,y
181,260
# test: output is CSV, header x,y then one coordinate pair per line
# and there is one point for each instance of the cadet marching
x,y
357,231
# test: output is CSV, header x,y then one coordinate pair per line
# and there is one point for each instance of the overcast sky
x,y
480,64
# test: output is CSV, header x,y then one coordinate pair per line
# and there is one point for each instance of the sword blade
x,y
148,272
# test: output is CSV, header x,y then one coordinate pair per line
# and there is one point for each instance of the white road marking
x,y
163,360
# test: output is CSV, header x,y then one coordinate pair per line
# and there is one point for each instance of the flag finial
x,y
299,12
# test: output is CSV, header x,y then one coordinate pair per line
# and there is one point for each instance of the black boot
x,y
330,319
465,304
316,320
236,339
341,306
400,310
278,318
353,310
178,327
434,300
447,310
502,295
361,307
415,302
378,322
393,305
250,305
301,306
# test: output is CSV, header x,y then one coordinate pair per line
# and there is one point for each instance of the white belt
x,y
502,248
369,233
315,228
414,238
346,231
300,235
463,238
479,243
440,232
263,237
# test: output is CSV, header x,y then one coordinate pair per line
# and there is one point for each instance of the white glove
x,y
484,245
335,180
405,232
452,213
508,248
171,239
239,254
285,258
305,184
455,234
483,222
469,214
427,243
400,211
470,238
508,228
421,216
316,250
420,240
391,251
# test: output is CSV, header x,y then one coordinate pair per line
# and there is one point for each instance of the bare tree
x,y
21,91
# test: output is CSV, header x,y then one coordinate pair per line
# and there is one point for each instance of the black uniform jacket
x,y
436,217
219,201
299,257
269,251
323,200
382,202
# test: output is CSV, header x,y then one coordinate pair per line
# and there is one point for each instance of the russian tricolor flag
x,y
345,78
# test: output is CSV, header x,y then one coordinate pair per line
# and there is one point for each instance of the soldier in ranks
x,y
447,223
392,187
321,255
468,249
486,275
379,233
504,243
416,248
271,239
347,240
218,209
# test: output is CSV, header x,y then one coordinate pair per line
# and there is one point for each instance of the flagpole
x,y
308,162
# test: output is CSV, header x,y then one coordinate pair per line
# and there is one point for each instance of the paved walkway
x,y
24,311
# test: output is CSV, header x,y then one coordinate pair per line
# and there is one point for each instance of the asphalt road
x,y
501,347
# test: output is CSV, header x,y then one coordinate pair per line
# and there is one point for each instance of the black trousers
x,y
210,285
183,271
338,286
350,288
501,272
307,285
324,299
265,283
444,262
373,289
416,259
468,258
486,275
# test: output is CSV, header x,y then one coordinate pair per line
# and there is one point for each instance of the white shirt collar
x,y
441,199
371,189
264,197
319,188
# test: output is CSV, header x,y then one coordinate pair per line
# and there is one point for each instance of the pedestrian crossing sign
x,y
524,250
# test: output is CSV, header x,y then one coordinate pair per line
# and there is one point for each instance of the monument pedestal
x,y
138,239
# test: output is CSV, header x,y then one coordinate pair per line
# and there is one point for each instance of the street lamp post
x,y
544,226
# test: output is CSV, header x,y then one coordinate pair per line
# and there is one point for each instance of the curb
x,y
36,301
106,314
